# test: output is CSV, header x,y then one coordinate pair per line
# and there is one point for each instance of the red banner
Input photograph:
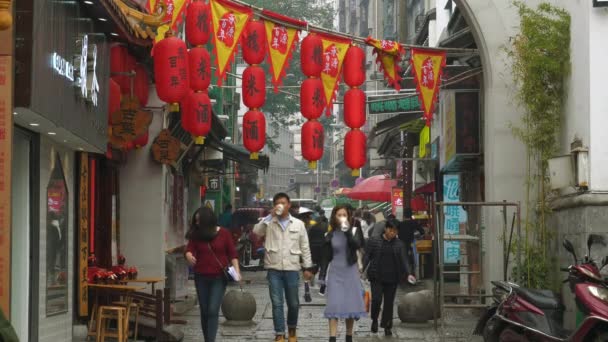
x,y
280,49
334,50
388,54
428,66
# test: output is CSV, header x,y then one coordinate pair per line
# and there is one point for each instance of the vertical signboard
x,y
397,201
454,216
83,236
448,117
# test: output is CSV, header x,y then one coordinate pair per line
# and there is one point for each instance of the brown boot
x,y
292,335
280,338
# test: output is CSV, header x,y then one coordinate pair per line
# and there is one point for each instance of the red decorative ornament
x,y
354,108
311,56
171,70
253,42
141,141
141,84
312,142
113,99
197,115
254,132
198,18
354,66
354,150
199,66
254,87
121,62
312,98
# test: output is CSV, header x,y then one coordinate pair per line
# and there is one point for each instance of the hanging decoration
x,y
254,132
141,141
254,87
173,16
281,45
171,70
165,148
312,98
228,22
121,63
141,85
197,115
334,50
311,55
428,67
354,109
129,123
388,55
198,17
199,66
313,138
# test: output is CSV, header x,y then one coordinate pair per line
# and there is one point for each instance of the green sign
x,y
394,105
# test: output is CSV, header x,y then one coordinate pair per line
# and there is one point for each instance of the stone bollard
x,y
416,307
239,307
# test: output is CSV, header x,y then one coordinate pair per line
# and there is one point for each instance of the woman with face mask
x,y
339,274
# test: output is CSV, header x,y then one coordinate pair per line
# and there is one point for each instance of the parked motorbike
x,y
250,247
520,315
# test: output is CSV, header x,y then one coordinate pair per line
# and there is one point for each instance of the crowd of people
x,y
341,251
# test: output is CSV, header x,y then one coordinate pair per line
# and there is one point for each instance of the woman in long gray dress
x,y
344,293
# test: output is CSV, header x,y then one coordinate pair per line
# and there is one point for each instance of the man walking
x,y
287,251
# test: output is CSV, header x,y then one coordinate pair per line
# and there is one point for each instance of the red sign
x,y
397,201
6,131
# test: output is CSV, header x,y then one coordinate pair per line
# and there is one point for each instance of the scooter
x,y
520,315
245,248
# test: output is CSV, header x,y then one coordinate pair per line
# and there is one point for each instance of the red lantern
x,y
312,142
129,145
171,70
312,101
354,108
196,116
311,56
254,87
199,66
354,66
141,84
141,141
254,132
254,42
113,99
198,18
121,62
354,150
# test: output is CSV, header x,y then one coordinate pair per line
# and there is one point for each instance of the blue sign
x,y
453,217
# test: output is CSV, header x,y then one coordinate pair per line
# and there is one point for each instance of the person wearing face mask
x,y
340,272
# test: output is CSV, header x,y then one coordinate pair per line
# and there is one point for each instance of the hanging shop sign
x,y
397,201
600,3
129,123
454,216
460,128
214,184
166,148
393,106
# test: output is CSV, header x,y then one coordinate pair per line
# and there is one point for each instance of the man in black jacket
x,y
386,264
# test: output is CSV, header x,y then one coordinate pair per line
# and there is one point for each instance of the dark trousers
x,y
210,293
387,292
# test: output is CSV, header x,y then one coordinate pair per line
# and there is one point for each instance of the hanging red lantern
x,y
197,115
198,17
354,66
171,70
129,145
113,100
312,101
254,132
199,66
354,108
254,87
141,141
312,142
354,150
311,56
253,42
121,62
141,85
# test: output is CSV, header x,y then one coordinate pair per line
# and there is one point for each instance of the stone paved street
x,y
313,327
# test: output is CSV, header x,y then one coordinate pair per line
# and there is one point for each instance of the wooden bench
x,y
155,316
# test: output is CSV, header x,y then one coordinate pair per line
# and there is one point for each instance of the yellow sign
x,y
334,50
280,41
448,115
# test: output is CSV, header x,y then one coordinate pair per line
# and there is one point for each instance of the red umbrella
x,y
375,188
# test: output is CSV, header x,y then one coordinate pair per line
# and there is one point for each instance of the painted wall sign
x,y
454,216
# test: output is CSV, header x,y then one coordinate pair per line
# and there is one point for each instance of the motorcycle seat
x,y
542,299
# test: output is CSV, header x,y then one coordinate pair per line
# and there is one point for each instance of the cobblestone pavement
x,y
313,327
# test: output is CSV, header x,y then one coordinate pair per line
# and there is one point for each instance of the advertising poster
x,y
453,217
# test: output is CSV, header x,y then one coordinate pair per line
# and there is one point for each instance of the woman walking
x,y
210,251
339,265
386,264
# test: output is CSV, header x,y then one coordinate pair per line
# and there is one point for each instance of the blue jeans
x,y
210,292
284,282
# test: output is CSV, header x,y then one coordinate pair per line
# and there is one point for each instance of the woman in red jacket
x,y
210,250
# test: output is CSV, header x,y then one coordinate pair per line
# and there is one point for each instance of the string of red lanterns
x,y
354,110
312,99
253,44
171,70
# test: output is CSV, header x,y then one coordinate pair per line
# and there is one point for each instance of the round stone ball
x,y
239,305
416,307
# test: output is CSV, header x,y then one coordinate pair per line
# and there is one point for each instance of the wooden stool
x,y
135,310
107,313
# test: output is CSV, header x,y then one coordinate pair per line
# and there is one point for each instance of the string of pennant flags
x,y
266,35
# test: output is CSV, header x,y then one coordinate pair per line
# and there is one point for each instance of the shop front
x,y
62,68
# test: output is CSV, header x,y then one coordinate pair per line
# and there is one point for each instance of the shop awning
x,y
396,122
239,154
409,122
428,188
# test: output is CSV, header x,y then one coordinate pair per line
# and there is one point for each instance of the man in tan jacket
x,y
287,252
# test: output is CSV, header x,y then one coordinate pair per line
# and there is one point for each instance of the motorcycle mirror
x,y
604,262
594,239
570,248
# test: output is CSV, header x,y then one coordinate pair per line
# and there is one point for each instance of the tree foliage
x,y
540,55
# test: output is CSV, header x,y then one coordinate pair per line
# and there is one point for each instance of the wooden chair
x,y
104,316
134,310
